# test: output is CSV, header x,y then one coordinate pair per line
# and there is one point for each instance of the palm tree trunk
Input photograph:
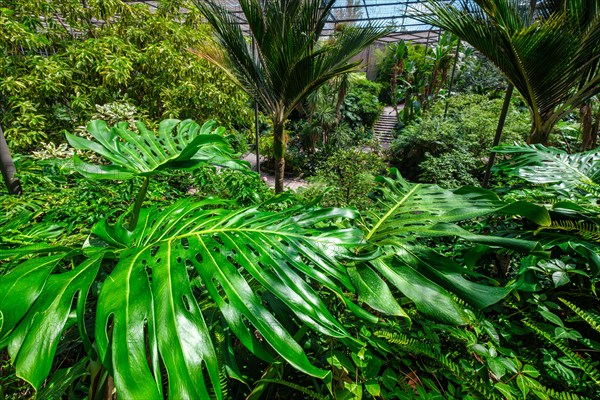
x,y
540,130
342,92
498,137
7,166
279,144
587,126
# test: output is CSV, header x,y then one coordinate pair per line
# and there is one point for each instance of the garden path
x,y
385,125
383,132
269,178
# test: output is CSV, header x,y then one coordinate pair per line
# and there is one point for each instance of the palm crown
x,y
550,53
290,61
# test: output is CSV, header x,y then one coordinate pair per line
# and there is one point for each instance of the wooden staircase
x,y
384,127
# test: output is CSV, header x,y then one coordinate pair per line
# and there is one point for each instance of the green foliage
x,y
567,184
361,107
412,67
176,145
288,62
149,292
243,188
452,151
543,50
568,174
476,74
168,293
346,177
55,79
452,169
160,237
405,214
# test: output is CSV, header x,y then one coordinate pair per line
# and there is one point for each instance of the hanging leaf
x,y
33,341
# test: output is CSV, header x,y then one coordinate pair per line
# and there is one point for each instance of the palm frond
x,y
290,59
550,56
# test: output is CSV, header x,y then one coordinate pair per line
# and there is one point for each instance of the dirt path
x,y
288,183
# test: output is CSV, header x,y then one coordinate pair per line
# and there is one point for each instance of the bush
x,y
478,75
461,141
346,177
361,107
52,80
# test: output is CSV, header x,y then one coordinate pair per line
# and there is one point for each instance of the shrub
x,y
361,106
462,140
52,80
348,174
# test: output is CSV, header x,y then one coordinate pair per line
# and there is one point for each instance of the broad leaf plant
x,y
146,292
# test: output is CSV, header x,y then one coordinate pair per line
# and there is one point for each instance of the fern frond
x,y
582,363
585,229
591,318
308,392
220,343
546,393
414,346
591,188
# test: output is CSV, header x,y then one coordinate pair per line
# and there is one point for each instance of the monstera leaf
x,y
176,145
406,213
545,165
148,314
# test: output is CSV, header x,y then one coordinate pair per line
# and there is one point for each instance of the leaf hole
x,y
219,290
217,239
153,251
199,258
253,250
185,243
186,303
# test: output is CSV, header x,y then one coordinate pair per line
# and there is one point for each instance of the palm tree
x,y
290,62
549,51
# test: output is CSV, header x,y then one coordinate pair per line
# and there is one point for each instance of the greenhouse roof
x,y
395,14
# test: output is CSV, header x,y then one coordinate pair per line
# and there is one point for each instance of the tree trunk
x,y
540,133
342,91
587,126
279,145
7,166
